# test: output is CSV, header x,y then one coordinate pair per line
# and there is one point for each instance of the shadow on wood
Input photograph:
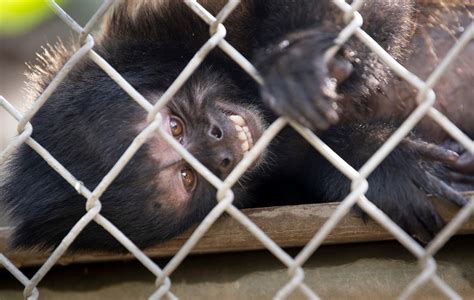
x,y
288,226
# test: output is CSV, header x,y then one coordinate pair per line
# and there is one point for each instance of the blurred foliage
x,y
20,16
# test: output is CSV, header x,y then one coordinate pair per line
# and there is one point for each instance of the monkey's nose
x,y
216,132
226,162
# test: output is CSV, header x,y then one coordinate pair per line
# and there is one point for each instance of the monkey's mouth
x,y
248,127
243,132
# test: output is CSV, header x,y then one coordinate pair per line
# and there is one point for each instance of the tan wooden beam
x,y
288,226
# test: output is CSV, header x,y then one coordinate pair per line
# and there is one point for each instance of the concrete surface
x,y
351,271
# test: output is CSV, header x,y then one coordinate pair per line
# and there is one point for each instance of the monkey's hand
x,y
298,83
431,175
400,185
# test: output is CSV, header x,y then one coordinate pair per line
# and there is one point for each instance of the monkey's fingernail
x,y
238,120
245,146
454,156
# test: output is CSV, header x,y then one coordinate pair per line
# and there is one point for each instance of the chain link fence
x,y
296,280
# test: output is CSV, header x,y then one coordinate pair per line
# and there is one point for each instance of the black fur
x,y
89,122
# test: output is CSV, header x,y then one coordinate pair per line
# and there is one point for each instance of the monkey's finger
x,y
303,100
454,146
464,164
433,152
278,109
289,98
340,68
441,189
417,215
460,177
276,96
426,222
300,93
322,102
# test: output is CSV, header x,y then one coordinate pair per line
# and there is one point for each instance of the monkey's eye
x,y
189,178
177,127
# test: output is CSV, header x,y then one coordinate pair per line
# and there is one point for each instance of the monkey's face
x,y
218,131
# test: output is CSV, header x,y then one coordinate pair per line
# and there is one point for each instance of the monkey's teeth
x,y
245,146
249,135
247,131
243,132
242,136
237,120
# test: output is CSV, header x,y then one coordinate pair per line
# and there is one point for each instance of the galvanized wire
x,y
224,197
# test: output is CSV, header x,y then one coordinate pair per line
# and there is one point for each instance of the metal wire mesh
x,y
426,99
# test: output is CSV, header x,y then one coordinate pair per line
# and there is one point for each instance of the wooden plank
x,y
288,226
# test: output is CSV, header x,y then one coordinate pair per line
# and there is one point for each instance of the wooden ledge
x,y
288,226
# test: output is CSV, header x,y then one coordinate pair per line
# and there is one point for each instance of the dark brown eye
x,y
176,126
189,178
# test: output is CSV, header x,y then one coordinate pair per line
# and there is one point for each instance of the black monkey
x,y
218,115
